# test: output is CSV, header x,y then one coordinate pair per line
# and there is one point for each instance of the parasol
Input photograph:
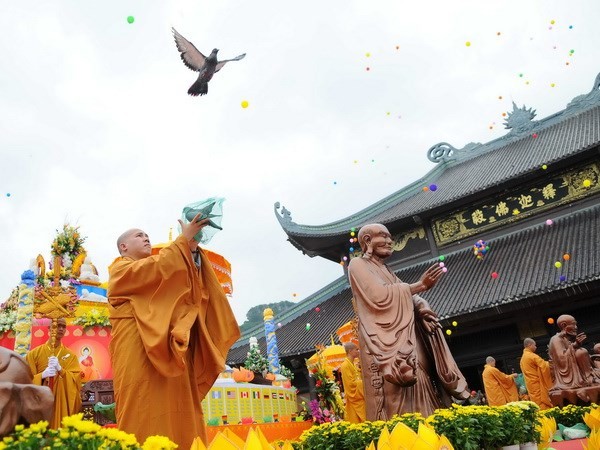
x,y
347,333
333,355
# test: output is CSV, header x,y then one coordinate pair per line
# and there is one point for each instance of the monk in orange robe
x,y
58,367
172,327
537,376
500,388
405,360
354,393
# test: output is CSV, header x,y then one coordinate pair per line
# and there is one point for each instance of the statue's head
x,y
567,324
597,349
134,244
375,239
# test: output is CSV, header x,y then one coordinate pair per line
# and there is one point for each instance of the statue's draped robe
x,y
404,368
353,392
172,327
538,381
500,388
66,385
569,373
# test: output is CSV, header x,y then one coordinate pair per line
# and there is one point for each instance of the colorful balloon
x,y
480,249
130,19
549,222
244,104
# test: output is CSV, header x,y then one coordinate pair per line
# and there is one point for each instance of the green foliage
x,y
254,316
286,372
255,361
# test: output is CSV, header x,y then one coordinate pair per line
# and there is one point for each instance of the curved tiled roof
x,y
479,167
524,261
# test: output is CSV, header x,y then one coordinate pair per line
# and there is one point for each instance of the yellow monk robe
x,y
537,376
500,388
354,392
172,327
66,385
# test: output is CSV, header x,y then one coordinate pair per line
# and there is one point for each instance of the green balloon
x,y
130,19
442,257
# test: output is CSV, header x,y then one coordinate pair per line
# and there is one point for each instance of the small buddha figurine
x,y
596,357
89,274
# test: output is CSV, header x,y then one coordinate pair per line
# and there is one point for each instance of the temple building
x,y
533,196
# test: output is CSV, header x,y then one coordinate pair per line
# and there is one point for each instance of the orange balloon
x,y
550,320
566,257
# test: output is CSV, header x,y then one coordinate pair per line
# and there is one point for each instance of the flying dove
x,y
196,61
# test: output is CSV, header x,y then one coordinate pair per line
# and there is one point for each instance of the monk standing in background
x,y
537,376
500,388
172,327
58,367
354,393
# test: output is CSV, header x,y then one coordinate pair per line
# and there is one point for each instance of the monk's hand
x,y
431,277
191,229
429,319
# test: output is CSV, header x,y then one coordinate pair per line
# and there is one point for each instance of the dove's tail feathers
x,y
198,88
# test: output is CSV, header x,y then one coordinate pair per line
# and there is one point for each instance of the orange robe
x,y
500,388
66,385
354,392
538,381
172,327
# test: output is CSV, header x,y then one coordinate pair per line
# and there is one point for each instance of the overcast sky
x,y
97,129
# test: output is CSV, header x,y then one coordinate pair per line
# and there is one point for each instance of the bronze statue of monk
x,y
406,363
571,363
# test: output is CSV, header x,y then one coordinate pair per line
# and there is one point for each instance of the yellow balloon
x,y
245,104
448,332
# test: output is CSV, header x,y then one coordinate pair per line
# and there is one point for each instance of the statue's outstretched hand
x,y
431,276
579,339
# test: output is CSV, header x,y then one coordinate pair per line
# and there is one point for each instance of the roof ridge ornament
x,y
446,152
440,152
520,120
585,101
285,217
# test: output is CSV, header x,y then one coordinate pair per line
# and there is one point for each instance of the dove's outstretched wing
x,y
220,64
190,55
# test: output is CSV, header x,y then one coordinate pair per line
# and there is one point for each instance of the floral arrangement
x,y
344,435
568,415
93,318
8,318
330,406
475,427
286,372
255,361
68,241
77,433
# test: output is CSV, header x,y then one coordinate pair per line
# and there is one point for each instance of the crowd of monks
x,y
571,369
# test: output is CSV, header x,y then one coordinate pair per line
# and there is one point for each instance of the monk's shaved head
x,y
349,346
490,360
134,243
121,239
528,342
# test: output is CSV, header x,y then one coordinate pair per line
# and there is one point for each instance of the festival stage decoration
x,y
348,332
271,340
196,61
